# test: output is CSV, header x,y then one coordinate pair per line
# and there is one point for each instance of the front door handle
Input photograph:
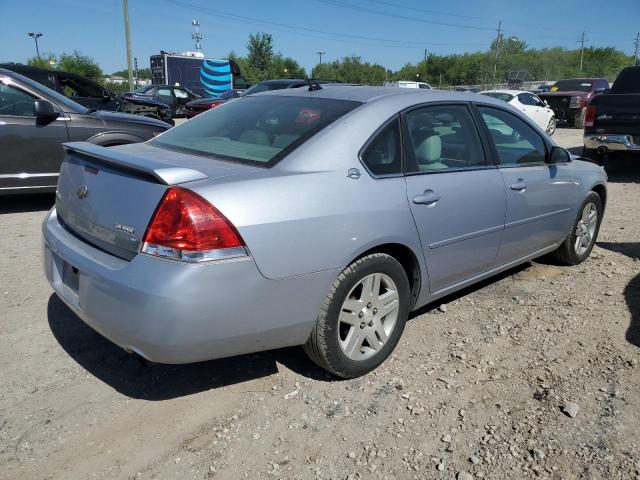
x,y
429,197
518,186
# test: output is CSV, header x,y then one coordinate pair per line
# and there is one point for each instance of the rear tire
x,y
362,318
578,245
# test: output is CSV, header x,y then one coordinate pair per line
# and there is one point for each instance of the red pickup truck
x,y
569,98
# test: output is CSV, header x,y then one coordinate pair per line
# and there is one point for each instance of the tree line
x,y
505,55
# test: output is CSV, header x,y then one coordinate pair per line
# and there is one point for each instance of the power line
x,y
338,3
305,31
434,12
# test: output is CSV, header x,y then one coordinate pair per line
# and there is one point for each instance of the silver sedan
x,y
315,216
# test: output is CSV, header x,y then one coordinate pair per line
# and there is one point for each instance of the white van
x,y
407,84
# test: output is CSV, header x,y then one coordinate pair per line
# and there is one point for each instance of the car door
x,y
540,196
456,196
165,95
30,152
182,98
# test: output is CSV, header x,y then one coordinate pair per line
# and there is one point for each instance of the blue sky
x,y
389,32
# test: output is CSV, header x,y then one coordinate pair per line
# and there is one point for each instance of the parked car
x,y
309,216
408,84
612,121
530,105
200,105
466,89
569,98
35,121
175,96
281,84
543,88
90,94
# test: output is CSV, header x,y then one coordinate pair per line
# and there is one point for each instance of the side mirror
x,y
45,113
558,155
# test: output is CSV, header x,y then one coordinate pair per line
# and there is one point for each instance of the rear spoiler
x,y
123,161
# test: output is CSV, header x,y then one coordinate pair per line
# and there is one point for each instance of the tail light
x,y
186,227
590,116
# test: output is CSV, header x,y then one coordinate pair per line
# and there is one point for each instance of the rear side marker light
x,y
187,228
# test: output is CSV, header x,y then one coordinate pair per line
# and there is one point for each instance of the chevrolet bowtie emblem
x,y
82,192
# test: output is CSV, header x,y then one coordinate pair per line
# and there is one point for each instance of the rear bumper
x,y
170,312
611,142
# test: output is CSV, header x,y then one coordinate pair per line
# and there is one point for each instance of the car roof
x,y
510,92
368,94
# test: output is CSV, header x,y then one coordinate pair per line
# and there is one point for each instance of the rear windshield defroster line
x,y
257,131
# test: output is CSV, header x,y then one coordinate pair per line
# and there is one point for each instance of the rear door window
x,y
442,138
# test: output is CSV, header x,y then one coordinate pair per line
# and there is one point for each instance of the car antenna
x,y
313,86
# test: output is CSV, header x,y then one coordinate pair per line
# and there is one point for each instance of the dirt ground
x,y
476,391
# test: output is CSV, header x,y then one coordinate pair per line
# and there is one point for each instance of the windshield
x,y
505,97
255,130
575,85
63,102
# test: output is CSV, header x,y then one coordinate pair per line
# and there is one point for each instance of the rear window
x,y
627,82
255,130
576,85
505,97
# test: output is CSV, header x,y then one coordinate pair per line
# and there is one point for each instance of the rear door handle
x,y
518,186
429,197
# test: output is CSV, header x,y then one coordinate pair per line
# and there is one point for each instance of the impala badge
x,y
124,228
82,192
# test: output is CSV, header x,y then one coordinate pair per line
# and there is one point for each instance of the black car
x,y
36,120
283,83
93,95
174,96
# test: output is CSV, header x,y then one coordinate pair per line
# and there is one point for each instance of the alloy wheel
x,y
368,316
551,128
586,228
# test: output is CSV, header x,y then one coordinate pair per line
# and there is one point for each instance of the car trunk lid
x,y
107,196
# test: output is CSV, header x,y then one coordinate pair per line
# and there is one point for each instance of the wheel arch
x,y
407,258
601,190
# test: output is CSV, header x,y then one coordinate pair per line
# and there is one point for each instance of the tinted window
x,y
15,102
527,99
627,82
180,93
516,142
264,87
61,100
255,130
163,92
505,97
441,138
383,154
575,85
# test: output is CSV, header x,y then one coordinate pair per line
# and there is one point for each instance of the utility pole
x,y
425,55
636,61
36,36
197,36
582,40
495,63
125,10
320,53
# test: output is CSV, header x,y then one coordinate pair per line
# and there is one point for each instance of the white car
x,y
408,84
528,103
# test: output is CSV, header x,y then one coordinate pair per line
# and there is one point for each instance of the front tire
x,y
362,318
578,245
551,127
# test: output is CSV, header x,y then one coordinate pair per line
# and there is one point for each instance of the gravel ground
x,y
532,374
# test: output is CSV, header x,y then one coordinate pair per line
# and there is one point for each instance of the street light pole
x,y
36,36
